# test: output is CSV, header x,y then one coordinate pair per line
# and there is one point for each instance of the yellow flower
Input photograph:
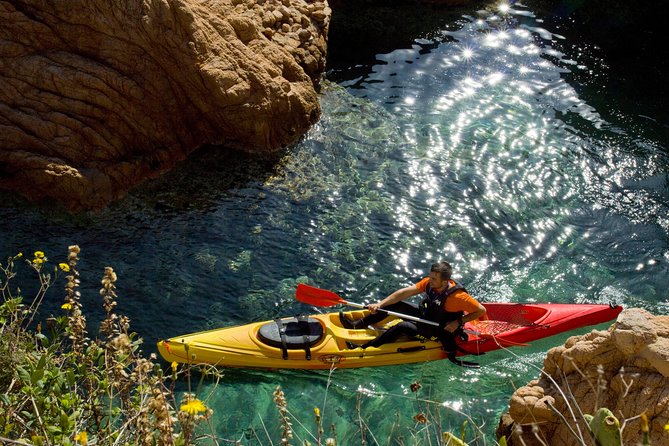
x,y
19,255
317,412
666,427
174,366
66,306
81,438
193,407
39,254
64,267
38,261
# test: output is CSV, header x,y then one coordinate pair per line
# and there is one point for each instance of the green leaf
x,y
42,362
24,376
36,377
64,421
451,440
53,429
70,378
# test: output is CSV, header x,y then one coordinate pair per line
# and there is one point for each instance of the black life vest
x,y
432,306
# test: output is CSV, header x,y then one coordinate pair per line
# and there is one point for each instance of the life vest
x,y
432,306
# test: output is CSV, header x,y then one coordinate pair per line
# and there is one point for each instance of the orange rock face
x,y
625,369
97,96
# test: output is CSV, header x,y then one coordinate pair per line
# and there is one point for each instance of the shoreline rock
x,y
96,97
624,369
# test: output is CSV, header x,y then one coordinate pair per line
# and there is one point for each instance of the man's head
x,y
443,268
440,274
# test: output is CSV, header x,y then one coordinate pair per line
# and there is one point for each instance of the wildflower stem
x,y
4,440
363,440
327,388
262,423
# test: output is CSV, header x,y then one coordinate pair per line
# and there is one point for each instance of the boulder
x,y
97,96
624,369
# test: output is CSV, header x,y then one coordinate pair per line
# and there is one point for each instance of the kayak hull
x,y
507,325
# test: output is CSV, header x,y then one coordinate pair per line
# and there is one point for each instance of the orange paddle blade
x,y
317,296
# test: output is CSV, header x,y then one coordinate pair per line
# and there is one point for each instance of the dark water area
x,y
521,143
628,39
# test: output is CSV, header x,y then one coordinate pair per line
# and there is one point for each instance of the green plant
x,y
605,427
59,386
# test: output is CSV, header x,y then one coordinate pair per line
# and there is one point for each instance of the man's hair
x,y
443,268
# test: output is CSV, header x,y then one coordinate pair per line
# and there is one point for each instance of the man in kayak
x,y
445,302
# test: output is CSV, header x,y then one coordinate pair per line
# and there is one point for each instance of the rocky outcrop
x,y
625,369
98,95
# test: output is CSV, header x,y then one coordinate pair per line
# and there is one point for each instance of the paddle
x,y
324,298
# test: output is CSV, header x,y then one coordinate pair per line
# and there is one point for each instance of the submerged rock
x,y
97,96
624,369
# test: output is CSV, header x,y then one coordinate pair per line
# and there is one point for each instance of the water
x,y
486,138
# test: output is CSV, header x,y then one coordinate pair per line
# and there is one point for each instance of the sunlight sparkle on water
x,y
495,78
479,264
455,405
467,54
491,40
515,50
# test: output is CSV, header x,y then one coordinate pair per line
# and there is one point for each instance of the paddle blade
x,y
316,296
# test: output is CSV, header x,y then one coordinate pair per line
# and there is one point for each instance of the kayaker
x,y
445,302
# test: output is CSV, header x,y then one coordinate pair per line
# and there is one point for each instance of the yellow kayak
x,y
313,342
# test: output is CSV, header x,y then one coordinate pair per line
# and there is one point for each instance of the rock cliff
x,y
625,369
99,95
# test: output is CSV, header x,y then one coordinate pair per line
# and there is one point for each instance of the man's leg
x,y
399,307
390,335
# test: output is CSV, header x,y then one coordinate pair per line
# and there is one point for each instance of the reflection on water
x,y
473,144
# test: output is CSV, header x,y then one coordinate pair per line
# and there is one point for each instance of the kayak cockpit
x,y
295,333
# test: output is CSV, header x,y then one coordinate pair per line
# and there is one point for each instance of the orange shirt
x,y
460,300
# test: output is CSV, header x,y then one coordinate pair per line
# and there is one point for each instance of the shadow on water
x,y
623,41
359,30
210,175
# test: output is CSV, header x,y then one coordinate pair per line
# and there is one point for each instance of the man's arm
x,y
394,297
479,312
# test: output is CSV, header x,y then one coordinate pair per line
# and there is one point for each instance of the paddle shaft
x,y
392,313
405,316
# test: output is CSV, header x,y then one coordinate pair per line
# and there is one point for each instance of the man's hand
x,y
395,297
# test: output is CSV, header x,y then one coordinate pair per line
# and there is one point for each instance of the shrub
x,y
61,387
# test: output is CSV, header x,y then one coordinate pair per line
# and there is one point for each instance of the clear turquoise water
x,y
487,140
